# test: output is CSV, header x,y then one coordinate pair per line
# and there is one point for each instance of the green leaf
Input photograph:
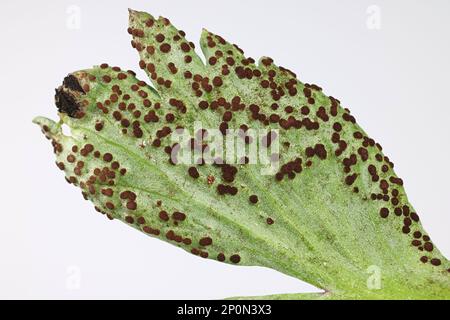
x,y
333,213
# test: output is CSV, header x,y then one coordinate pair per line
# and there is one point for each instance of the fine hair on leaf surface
x,y
320,201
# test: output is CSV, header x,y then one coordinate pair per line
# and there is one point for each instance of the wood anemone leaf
x,y
334,214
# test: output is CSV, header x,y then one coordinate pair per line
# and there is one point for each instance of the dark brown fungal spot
x,y
60,165
349,180
406,210
107,157
309,151
304,110
148,230
416,243
141,220
226,189
268,139
121,76
99,126
289,109
66,103
395,180
71,82
149,23
407,222
253,199
108,192
164,216
428,246
414,216
235,258
322,114
283,112
435,262
160,37
170,235
319,150
109,205
206,241
178,216
165,47
384,185
131,205
71,158
203,105
212,60
363,153
384,212
217,81
185,47
129,219
193,172
228,172
337,127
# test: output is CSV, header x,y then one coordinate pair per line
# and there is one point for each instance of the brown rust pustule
x,y
66,103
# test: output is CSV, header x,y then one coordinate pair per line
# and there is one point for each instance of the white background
x,y
53,244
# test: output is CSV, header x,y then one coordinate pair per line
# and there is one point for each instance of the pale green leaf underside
x,y
327,229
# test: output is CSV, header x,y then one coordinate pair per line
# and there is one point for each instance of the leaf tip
x,y
48,126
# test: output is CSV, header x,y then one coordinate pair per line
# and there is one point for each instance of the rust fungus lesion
x,y
68,97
